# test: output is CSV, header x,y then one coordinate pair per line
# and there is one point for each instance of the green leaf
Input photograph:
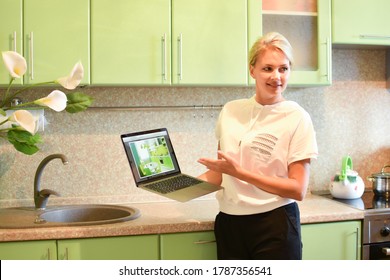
x,y
2,112
24,141
78,102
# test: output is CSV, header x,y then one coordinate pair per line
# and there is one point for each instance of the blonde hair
x,y
272,40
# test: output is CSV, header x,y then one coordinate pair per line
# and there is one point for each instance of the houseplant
x,y
17,124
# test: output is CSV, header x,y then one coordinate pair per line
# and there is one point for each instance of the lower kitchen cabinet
x,y
28,250
332,241
139,247
188,246
321,241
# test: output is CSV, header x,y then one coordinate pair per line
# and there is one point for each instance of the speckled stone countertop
x,y
172,217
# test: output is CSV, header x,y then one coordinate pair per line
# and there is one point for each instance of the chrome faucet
x,y
42,196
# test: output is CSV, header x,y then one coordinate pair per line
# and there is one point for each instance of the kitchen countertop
x,y
172,217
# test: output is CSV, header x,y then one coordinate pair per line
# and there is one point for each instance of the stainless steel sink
x,y
70,215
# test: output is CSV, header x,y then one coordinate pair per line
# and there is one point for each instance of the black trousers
x,y
274,235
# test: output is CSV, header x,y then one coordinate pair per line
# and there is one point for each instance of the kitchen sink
x,y
69,215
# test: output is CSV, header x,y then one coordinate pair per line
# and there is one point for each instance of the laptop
x,y
155,167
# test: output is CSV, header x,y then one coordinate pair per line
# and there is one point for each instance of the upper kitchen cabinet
x,y
56,37
10,32
307,25
209,42
130,42
361,22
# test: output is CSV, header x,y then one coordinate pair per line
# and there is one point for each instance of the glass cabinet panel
x,y
306,24
301,30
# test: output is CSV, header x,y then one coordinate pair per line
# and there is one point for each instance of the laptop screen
x,y
150,154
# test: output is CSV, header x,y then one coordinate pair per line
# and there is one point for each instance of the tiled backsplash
x,y
351,117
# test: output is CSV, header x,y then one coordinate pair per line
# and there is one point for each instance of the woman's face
x,y
271,72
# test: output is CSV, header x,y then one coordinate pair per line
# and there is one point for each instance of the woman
x,y
264,152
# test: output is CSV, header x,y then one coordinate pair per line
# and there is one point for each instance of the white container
x,y
347,184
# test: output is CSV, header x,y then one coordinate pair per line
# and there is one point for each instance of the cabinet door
x,y
361,22
209,42
307,25
28,250
130,42
10,33
143,247
332,241
56,38
189,246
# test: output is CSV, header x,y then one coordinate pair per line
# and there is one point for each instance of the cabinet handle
x,y
180,56
328,59
32,55
386,251
357,243
372,36
48,254
14,41
66,255
204,242
164,54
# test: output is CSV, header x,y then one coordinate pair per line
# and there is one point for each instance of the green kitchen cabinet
x,y
56,37
307,25
209,42
321,241
28,250
163,42
140,247
188,246
332,241
10,33
130,43
360,22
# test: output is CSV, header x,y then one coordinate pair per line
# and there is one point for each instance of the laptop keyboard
x,y
173,184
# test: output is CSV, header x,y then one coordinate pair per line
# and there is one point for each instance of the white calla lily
x,y
74,78
15,63
25,119
16,125
56,100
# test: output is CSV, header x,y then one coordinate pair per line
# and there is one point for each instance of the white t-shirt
x,y
263,140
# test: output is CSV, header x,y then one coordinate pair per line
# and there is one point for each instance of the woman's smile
x,y
271,72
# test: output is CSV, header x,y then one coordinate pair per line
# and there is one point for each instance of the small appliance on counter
x,y
347,184
381,183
